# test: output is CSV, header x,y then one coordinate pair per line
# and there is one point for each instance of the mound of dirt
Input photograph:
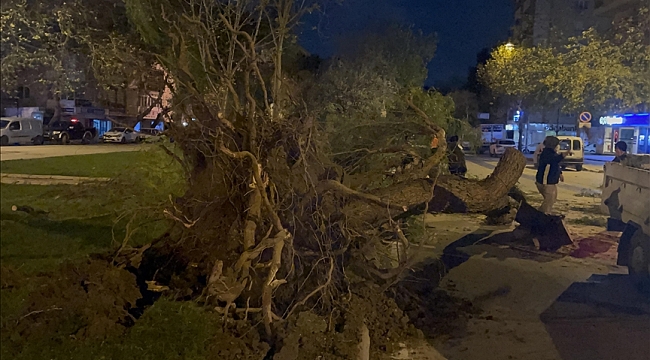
x,y
239,342
337,335
82,300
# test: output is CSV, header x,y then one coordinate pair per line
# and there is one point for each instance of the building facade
x,y
551,22
632,128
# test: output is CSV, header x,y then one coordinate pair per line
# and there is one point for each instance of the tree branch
x,y
338,187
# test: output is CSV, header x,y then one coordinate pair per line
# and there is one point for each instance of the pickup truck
x,y
64,131
626,199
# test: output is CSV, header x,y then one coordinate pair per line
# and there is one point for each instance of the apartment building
x,y
553,21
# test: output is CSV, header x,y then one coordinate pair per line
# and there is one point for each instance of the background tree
x,y
593,72
37,42
75,47
521,74
367,98
607,71
466,106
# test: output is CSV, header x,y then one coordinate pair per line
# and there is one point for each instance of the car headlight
x,y
55,132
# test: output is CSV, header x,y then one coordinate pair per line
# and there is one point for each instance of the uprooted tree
x,y
268,218
286,191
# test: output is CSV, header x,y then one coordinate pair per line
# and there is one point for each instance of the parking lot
x,y
43,151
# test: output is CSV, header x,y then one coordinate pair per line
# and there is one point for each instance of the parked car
x,y
150,135
120,135
530,149
66,131
498,147
14,130
590,149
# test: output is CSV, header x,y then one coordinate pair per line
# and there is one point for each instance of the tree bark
x,y
451,194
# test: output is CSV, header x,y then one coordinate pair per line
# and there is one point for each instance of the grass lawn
x,y
94,165
75,221
80,220
167,331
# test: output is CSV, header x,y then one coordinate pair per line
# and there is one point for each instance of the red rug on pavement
x,y
602,246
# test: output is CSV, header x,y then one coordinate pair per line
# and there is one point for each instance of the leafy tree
x,y
594,71
372,101
467,107
73,47
38,37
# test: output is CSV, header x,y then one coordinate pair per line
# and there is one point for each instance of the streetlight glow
x,y
510,46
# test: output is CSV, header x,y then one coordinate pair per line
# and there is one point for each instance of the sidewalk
x,y
601,158
586,167
25,179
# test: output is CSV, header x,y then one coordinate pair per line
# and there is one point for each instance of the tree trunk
x,y
451,194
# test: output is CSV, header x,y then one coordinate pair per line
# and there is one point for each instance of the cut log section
x,y
549,230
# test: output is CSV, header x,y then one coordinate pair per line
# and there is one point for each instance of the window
x,y
14,125
23,92
582,5
576,145
565,145
148,100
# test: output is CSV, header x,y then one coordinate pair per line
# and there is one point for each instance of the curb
x,y
28,179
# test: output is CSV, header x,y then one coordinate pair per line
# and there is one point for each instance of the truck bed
x,y
626,194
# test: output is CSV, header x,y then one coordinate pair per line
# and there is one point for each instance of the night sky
x,y
464,27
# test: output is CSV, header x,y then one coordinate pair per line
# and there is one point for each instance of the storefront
x,y
633,129
536,132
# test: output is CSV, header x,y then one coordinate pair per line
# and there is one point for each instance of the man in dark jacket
x,y
456,157
549,173
620,149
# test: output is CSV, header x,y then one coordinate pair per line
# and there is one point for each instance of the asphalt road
x,y
575,181
44,151
590,159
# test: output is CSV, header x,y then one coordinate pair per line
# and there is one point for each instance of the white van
x,y
577,157
14,130
572,143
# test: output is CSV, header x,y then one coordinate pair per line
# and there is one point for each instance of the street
x,y
537,305
575,181
43,151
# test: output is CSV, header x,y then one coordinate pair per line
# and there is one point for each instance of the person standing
x,y
549,173
456,157
620,149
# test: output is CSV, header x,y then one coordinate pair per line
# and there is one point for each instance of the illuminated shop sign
x,y
642,119
611,120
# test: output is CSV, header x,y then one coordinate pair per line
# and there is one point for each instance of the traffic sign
x,y
585,117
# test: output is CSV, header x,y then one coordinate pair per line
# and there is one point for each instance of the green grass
x,y
168,330
76,221
94,165
86,219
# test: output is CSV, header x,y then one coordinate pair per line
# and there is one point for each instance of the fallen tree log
x,y
451,194
458,195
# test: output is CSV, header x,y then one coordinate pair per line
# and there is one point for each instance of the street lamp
x,y
510,46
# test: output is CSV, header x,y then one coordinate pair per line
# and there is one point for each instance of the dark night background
x,y
464,27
